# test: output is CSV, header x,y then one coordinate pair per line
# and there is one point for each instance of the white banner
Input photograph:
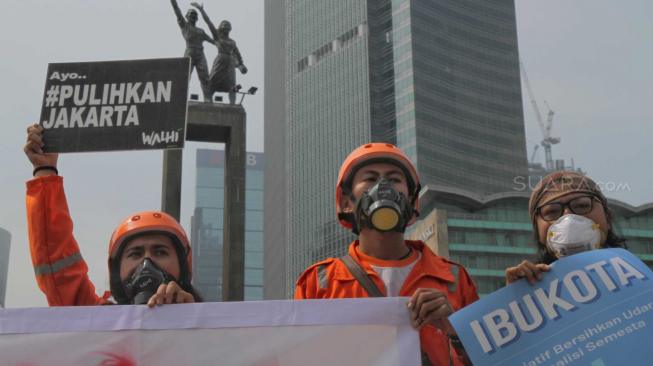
x,y
254,333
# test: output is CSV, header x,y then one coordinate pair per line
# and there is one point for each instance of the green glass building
x,y
487,234
207,222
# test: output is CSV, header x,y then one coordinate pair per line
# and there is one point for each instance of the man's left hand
x,y
430,306
170,293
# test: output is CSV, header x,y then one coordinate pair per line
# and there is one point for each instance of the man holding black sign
x,y
149,253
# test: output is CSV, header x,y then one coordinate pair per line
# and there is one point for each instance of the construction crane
x,y
547,139
534,154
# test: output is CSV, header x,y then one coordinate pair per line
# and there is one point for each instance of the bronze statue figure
x,y
194,37
223,72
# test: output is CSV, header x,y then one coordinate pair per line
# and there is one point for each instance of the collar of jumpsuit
x,y
441,271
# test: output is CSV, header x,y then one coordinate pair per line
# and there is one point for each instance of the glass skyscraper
x,y
440,78
274,225
458,92
207,225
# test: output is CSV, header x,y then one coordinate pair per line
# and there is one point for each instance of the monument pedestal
x,y
219,123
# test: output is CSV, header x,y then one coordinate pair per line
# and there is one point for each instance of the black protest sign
x,y
115,105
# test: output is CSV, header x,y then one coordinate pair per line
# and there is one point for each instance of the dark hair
x,y
196,295
413,187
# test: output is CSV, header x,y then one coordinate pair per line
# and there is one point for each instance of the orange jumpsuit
x,y
60,270
331,279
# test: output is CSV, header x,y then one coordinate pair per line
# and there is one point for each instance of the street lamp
x,y
251,91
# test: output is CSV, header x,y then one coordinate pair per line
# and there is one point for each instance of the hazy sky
x,y
590,60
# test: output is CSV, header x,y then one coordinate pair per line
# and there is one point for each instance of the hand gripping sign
x,y
593,308
115,105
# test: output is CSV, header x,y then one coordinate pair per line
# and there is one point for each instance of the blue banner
x,y
593,308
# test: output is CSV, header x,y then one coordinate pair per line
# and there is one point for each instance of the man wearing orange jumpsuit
x,y
377,197
149,252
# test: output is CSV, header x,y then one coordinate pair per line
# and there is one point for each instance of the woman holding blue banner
x,y
570,214
149,252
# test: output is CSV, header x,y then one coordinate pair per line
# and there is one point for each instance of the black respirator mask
x,y
384,209
144,282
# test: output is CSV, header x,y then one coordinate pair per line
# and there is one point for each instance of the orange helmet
x,y
375,152
148,222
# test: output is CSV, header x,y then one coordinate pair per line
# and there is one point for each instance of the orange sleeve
x,y
469,295
303,287
468,288
313,283
60,270
300,293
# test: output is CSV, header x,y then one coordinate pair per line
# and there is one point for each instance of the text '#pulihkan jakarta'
x,y
106,105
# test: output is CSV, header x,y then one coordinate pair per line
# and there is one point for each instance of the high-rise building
x,y
5,240
207,225
488,234
440,78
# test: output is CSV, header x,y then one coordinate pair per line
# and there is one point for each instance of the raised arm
x,y
180,17
207,20
60,271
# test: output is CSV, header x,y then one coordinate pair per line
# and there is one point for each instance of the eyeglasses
x,y
580,206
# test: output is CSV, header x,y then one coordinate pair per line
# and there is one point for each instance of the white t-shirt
x,y
393,272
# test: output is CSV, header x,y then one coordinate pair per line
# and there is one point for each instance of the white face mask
x,y
572,234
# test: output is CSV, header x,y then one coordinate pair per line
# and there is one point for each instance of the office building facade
x,y
275,205
207,225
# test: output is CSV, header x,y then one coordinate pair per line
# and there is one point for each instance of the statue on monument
x,y
223,72
195,37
